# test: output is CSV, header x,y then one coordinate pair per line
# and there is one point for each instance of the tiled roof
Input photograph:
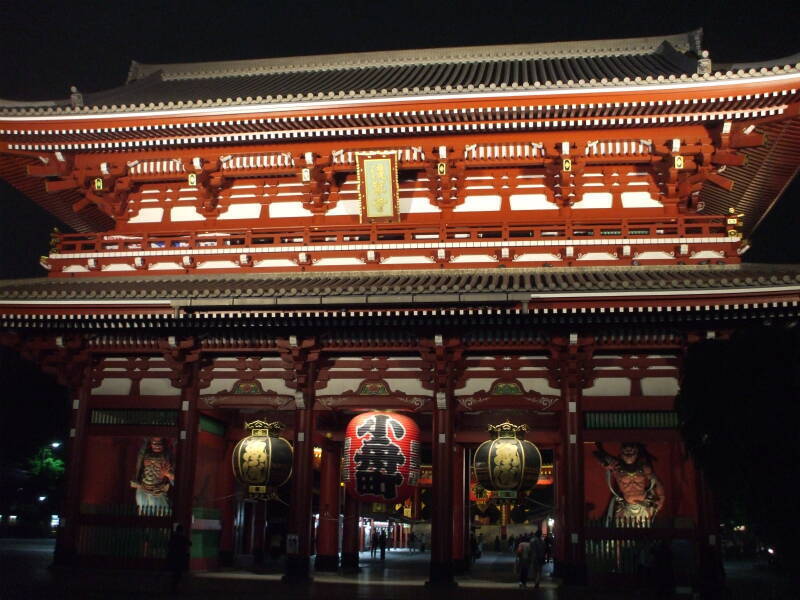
x,y
405,287
759,182
59,204
402,73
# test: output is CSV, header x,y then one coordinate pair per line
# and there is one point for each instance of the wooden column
x,y
572,359
327,558
259,532
187,447
66,552
460,558
227,488
298,541
441,565
711,574
560,498
415,504
351,535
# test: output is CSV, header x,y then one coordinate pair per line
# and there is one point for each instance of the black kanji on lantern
x,y
379,457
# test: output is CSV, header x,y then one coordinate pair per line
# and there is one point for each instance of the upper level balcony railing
x,y
348,236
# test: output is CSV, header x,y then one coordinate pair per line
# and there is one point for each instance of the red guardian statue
x,y
638,494
155,474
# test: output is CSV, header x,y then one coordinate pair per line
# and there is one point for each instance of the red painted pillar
x,y
441,565
187,450
259,531
351,535
573,565
709,553
227,489
298,538
66,552
327,558
560,498
460,562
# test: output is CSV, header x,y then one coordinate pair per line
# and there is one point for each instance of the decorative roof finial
x,y
75,97
704,63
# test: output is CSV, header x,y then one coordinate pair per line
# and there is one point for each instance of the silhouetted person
x,y
474,548
382,543
522,563
537,557
373,544
549,541
178,556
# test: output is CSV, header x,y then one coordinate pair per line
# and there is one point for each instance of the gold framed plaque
x,y
378,190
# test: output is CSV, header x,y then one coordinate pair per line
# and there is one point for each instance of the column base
x,y
570,573
326,562
460,566
64,555
226,558
441,575
350,563
298,569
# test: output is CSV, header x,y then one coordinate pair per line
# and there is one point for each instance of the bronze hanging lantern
x,y
507,464
263,460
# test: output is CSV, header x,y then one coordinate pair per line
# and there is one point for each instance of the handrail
x,y
309,235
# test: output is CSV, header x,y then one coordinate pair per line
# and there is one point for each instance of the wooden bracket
x,y
446,181
180,354
322,183
443,363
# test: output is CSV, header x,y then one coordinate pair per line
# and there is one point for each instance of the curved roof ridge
x,y
683,42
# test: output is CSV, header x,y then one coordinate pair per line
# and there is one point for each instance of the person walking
x,y
373,543
178,556
549,542
538,552
382,543
522,562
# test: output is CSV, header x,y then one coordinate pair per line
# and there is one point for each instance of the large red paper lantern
x,y
381,457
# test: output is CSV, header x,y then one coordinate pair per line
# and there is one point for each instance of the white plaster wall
x,y
531,202
157,387
639,200
279,210
479,204
250,210
594,200
185,213
148,215
539,384
345,207
112,386
417,205
660,386
609,386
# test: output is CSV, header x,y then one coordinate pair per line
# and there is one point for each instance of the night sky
x,y
46,47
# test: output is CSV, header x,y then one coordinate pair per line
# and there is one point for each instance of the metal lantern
x,y
262,460
381,457
507,463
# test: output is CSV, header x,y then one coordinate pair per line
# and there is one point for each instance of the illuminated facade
x,y
533,233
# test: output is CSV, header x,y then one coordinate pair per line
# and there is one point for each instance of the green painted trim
x,y
205,544
212,426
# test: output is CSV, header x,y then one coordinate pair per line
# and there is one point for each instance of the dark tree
x,y
739,408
